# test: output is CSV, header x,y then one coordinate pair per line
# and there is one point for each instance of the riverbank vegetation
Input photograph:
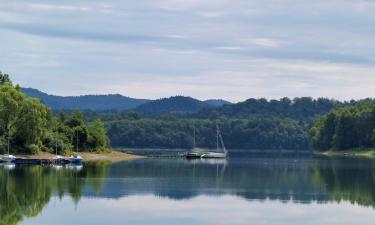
x,y
28,126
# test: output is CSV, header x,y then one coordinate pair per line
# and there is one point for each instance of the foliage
x,y
29,126
256,133
350,127
304,108
87,102
177,104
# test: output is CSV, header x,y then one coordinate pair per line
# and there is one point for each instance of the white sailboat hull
x,y
214,155
8,158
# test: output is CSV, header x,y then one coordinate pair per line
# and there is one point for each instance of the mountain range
x,y
117,102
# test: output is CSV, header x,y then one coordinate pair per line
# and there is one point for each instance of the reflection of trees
x,y
346,181
25,191
260,179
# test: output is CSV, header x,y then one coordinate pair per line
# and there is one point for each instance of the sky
x,y
229,49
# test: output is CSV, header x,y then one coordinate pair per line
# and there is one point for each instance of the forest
x,y
253,124
179,133
296,124
28,126
343,128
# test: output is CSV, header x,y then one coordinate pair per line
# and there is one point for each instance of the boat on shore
x,y
220,152
75,159
8,158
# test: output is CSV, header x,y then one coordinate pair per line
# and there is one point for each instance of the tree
x,y
97,135
4,79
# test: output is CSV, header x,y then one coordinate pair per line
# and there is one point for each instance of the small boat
x,y
194,155
220,153
75,159
8,158
58,160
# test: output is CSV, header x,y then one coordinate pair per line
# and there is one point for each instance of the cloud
x,y
208,49
266,42
52,7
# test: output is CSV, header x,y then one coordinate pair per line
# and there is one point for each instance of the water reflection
x,y
25,191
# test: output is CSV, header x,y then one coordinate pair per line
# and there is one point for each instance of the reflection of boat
x,y
220,153
209,161
75,159
57,167
8,166
75,167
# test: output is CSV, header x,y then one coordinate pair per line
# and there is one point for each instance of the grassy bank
x,y
362,153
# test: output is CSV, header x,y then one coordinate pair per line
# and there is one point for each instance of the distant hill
x,y
86,102
217,102
297,108
177,104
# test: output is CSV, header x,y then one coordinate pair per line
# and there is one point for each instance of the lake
x,y
245,189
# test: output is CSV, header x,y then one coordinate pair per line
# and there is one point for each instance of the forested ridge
x,y
299,123
253,124
28,126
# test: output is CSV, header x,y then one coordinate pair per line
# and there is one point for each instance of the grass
x,y
360,153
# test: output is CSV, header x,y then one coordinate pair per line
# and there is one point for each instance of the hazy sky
x,y
231,49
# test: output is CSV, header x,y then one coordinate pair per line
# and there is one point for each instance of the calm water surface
x,y
246,189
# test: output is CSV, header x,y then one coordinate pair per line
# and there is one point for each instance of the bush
x,y
33,149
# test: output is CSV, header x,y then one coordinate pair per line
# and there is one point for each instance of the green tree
x,y
97,135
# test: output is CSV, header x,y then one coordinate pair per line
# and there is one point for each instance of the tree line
x,y
169,132
343,128
28,126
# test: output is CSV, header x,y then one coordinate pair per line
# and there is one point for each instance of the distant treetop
x,y
4,78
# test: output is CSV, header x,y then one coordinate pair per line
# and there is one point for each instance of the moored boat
x,y
220,153
75,159
8,158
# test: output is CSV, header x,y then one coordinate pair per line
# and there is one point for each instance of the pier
x,y
24,161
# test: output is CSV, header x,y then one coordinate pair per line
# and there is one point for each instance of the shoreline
x,y
114,156
369,153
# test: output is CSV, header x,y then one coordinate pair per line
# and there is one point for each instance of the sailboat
x,y
8,158
220,153
57,159
76,159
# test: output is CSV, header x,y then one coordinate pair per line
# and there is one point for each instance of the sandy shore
x,y
114,156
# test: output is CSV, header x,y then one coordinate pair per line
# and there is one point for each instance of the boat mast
x,y
77,140
8,143
217,136
220,138
8,138
56,139
194,142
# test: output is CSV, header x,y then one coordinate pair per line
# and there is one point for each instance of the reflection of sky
x,y
148,209
233,49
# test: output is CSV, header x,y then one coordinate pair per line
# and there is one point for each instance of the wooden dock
x,y
22,161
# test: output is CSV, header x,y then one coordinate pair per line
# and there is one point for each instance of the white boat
x,y
58,159
214,155
75,159
220,153
8,158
